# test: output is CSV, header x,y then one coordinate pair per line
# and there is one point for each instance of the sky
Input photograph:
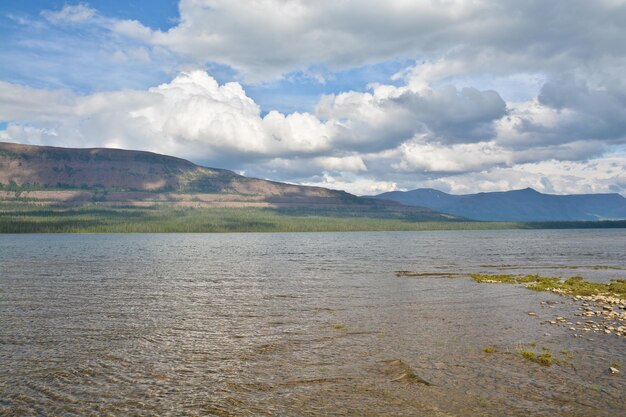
x,y
362,95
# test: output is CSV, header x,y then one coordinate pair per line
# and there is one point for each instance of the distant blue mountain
x,y
517,205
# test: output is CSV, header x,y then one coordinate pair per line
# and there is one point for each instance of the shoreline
x,y
602,306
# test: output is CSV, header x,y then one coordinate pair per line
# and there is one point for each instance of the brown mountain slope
x,y
132,170
50,176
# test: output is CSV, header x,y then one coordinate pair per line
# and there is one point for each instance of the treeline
x,y
159,219
16,218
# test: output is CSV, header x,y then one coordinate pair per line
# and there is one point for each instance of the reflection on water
x,y
299,324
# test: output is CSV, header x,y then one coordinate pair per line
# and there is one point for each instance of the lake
x,y
302,324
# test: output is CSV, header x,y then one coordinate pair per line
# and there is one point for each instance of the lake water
x,y
301,324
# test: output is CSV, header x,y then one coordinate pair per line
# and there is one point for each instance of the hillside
x,y
517,205
44,175
123,170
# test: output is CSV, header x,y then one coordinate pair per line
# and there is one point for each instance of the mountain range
x,y
517,205
45,175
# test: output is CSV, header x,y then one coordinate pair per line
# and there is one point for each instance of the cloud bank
x,y
493,35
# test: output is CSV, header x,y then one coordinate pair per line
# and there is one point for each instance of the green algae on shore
x,y
576,286
545,358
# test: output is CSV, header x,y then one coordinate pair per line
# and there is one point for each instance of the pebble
x,y
610,320
614,371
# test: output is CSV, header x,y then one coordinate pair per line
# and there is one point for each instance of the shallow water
x,y
300,324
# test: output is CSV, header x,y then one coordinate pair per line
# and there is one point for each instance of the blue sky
x,y
157,14
296,91
360,95
53,56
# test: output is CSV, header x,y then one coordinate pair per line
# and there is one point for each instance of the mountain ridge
x,y
130,170
525,204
